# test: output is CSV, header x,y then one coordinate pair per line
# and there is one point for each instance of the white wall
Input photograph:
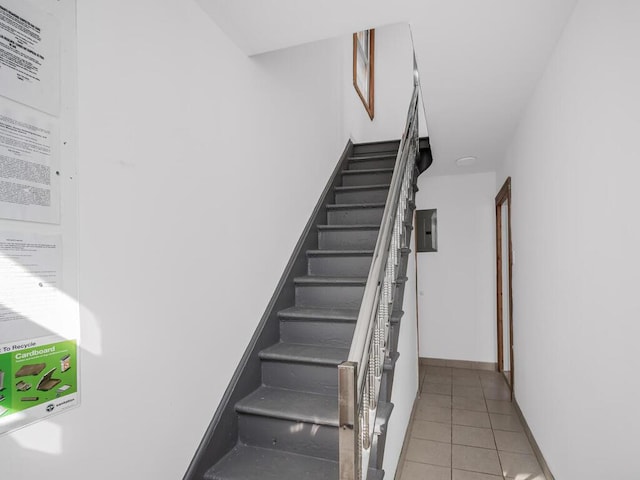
x,y
405,383
456,284
575,175
393,70
187,217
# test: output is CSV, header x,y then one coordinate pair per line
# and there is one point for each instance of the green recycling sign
x,y
38,378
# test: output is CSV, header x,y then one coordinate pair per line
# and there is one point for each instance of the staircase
x,y
280,420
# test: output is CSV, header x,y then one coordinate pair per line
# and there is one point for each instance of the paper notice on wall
x,y
29,56
29,160
30,285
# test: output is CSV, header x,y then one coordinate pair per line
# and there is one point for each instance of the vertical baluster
x,y
360,445
382,321
396,232
394,249
376,341
389,279
373,401
364,413
387,284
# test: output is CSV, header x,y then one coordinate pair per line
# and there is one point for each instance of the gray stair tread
x,y
349,227
253,463
320,280
367,170
309,313
350,188
336,253
291,405
349,206
317,280
329,314
301,406
299,353
382,145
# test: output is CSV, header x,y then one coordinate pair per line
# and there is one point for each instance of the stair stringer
x,y
222,433
377,453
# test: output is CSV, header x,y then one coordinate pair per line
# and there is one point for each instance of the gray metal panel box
x,y
427,230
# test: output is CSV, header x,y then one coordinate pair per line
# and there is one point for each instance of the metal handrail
x,y
376,272
359,377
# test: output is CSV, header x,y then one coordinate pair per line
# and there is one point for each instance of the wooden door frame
x,y
504,195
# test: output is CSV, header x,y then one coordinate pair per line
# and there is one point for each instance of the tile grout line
x,y
493,434
451,418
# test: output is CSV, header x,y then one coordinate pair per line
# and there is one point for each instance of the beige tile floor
x,y
465,428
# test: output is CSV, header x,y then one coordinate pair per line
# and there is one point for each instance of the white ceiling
x,y
479,60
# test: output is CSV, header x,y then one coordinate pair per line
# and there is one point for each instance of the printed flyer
x,y
38,378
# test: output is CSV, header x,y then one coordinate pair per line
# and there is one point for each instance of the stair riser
x,y
347,239
356,265
378,195
297,437
355,216
385,387
376,456
337,296
333,334
376,148
370,178
393,335
373,163
321,379
398,296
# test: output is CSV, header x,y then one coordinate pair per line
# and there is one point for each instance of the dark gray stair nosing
x,y
303,353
